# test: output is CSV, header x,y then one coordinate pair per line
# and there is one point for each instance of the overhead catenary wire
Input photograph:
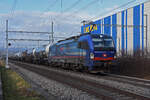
x,y
76,11
107,12
101,13
61,5
51,6
84,7
73,5
69,8
126,4
13,8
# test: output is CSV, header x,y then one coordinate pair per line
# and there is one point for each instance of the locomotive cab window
x,y
83,45
102,42
108,42
98,42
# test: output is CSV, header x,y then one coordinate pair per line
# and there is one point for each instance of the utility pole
x,y
52,32
6,44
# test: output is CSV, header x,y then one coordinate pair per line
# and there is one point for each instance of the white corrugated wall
x,y
147,12
130,31
119,33
130,36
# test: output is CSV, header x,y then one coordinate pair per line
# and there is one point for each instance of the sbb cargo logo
x,y
90,28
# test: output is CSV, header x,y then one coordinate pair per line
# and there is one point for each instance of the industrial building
x,y
129,28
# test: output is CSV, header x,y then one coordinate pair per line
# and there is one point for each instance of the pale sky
x,y
37,15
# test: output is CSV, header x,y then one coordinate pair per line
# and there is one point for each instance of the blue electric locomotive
x,y
92,52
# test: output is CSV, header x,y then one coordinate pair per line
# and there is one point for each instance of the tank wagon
x,y
16,56
92,52
39,55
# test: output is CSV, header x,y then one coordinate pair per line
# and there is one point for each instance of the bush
x,y
137,65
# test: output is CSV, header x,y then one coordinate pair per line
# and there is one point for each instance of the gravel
x,y
64,92
114,84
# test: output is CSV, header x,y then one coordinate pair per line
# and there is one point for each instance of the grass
x,y
15,87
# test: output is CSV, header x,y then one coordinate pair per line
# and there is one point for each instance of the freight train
x,y
90,52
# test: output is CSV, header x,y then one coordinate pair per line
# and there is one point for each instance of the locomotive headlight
x,y
104,55
92,55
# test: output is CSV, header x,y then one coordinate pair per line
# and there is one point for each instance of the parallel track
x,y
100,91
131,80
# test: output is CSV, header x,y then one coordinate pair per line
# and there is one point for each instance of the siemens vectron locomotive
x,y
92,52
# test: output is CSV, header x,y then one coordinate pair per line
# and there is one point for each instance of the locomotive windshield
x,y
102,43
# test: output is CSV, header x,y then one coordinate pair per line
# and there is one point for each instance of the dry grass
x,y
2,63
137,65
15,87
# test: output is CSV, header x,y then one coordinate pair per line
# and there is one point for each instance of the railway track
x,y
131,80
109,87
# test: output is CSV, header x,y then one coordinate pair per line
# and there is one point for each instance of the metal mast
x,y
6,44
